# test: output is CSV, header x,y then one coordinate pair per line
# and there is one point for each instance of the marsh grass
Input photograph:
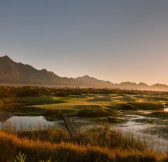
x,y
111,138
102,145
48,135
160,131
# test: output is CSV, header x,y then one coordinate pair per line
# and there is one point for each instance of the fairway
x,y
72,104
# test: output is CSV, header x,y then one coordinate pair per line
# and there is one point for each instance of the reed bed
x,y
35,149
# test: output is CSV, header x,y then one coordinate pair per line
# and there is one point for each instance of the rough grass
x,y
101,151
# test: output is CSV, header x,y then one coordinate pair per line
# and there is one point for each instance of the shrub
x,y
129,107
93,113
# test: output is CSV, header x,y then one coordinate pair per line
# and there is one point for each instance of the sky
x,y
115,40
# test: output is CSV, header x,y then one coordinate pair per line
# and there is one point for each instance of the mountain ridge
x,y
13,73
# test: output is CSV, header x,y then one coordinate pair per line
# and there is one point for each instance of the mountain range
x,y
13,73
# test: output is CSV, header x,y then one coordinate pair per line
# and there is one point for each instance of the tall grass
x,y
48,135
112,138
102,145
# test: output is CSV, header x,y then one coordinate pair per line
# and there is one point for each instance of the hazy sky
x,y
116,40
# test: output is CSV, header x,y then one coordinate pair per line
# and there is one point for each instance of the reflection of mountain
x,y
13,73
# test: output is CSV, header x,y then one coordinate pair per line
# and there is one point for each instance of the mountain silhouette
x,y
13,73
20,74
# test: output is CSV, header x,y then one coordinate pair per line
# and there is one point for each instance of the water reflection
x,y
29,122
166,109
138,129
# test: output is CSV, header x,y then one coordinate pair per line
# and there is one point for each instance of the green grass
x,y
100,99
72,104
26,110
42,100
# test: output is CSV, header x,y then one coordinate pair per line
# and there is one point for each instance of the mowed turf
x,y
71,104
74,103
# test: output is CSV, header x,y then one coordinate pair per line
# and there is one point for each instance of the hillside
x,y
20,74
13,73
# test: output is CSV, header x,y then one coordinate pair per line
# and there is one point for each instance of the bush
x,y
93,113
52,112
129,107
142,106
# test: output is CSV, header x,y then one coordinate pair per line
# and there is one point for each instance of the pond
x,y
29,122
147,129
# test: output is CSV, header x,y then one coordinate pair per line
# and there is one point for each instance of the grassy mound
x,y
52,112
129,107
93,113
143,106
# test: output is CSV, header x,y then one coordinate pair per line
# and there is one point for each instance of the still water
x,y
139,127
166,109
29,122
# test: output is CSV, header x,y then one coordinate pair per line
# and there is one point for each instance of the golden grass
x,y
37,150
